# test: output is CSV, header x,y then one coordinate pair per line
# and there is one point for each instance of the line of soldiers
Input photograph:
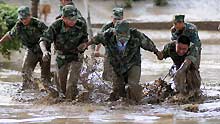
x,y
122,46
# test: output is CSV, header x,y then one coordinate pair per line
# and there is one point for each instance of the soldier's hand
x,y
82,47
46,56
159,55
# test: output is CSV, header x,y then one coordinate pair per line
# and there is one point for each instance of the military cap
x,y
70,12
179,18
23,12
117,13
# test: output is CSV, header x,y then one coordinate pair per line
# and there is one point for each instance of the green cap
x,y
179,18
23,12
117,13
70,12
122,26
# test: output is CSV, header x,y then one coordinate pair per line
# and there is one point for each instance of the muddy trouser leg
x,y
118,87
29,63
134,90
45,72
73,77
62,77
108,70
193,80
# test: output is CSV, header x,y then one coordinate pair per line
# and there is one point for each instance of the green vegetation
x,y
8,18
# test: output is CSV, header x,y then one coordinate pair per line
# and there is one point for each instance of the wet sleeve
x,y
48,35
85,34
165,51
13,32
147,43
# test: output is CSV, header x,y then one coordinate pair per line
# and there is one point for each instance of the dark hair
x,y
184,40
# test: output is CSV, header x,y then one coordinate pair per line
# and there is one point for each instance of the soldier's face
x,y
26,21
68,22
179,25
181,49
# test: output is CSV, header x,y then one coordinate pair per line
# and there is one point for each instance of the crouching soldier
x,y
67,33
29,30
180,27
185,58
123,46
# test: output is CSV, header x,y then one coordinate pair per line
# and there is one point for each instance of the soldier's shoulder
x,y
135,32
107,25
37,22
170,45
57,23
191,27
80,24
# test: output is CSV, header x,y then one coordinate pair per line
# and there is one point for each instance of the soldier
x,y
108,70
29,30
185,58
67,33
123,48
69,2
183,28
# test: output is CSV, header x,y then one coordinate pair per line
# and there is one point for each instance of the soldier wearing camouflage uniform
x,y
29,30
67,33
123,46
108,70
183,28
185,58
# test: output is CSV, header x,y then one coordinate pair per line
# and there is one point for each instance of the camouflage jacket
x,y
131,56
29,35
65,40
170,51
190,30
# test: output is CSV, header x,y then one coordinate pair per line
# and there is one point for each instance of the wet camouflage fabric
x,y
29,35
66,41
170,51
123,61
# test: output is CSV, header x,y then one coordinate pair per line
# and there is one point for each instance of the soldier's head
x,y
65,2
178,22
122,30
117,14
182,45
69,15
24,15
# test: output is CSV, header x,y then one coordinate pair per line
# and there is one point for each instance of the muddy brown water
x,y
12,111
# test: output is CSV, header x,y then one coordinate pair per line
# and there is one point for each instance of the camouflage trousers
x,y
30,61
127,85
107,74
190,81
67,79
